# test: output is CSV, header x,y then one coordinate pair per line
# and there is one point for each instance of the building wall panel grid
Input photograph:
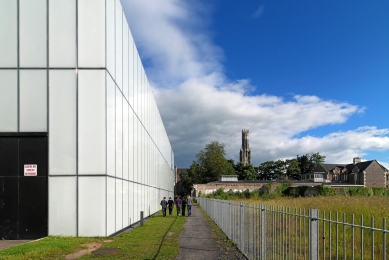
x,y
71,69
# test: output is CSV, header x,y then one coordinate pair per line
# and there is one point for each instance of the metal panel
x,y
33,101
23,199
91,33
63,122
8,100
9,208
8,33
62,33
33,207
33,33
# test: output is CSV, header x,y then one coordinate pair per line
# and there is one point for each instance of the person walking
x,y
178,205
183,208
189,201
170,203
164,205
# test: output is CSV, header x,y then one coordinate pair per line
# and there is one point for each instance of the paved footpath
x,y
196,241
8,243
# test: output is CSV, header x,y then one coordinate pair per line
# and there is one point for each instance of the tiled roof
x,y
328,167
358,167
361,166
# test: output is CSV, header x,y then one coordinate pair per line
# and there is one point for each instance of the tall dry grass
x,y
357,205
339,241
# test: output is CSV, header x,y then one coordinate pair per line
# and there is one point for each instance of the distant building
x,y
228,178
245,151
367,173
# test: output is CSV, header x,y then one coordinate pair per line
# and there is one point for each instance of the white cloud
x,y
199,104
170,35
258,12
341,147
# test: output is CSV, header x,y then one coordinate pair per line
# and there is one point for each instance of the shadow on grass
x,y
163,239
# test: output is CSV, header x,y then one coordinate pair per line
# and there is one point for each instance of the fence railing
x,y
274,232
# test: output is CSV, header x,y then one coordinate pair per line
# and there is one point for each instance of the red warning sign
x,y
30,170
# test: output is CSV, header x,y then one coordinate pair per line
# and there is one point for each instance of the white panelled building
x,y
83,149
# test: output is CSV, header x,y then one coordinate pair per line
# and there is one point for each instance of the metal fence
x,y
274,232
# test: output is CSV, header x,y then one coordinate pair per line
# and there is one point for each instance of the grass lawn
x,y
157,239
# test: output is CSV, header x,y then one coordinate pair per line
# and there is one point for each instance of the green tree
x,y
272,170
211,164
246,171
308,162
194,173
186,181
317,158
232,162
292,169
190,177
289,168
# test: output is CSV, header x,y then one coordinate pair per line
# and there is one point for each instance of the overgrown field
x,y
357,205
346,222
342,241
358,201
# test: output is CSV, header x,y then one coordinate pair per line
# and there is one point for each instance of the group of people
x,y
181,205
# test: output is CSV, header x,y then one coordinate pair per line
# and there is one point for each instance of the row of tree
x,y
211,164
289,168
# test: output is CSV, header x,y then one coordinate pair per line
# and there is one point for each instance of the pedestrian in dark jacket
x,y
183,206
164,205
178,205
170,203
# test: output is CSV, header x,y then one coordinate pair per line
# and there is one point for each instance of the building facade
x,y
245,151
83,149
366,173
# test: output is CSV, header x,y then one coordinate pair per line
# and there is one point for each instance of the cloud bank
x,y
199,104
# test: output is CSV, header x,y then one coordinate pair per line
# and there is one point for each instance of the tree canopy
x,y
246,171
210,164
308,162
272,170
289,168
292,169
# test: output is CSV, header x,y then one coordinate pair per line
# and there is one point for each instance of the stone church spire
x,y
245,151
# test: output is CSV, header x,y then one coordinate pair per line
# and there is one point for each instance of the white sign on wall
x,y
30,170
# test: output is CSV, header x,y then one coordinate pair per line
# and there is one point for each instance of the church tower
x,y
245,151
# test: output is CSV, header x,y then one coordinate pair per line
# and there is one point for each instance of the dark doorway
x,y
23,187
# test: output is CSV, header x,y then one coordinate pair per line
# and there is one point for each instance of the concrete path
x,y
8,243
196,241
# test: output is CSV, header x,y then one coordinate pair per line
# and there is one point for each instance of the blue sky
x,y
302,76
